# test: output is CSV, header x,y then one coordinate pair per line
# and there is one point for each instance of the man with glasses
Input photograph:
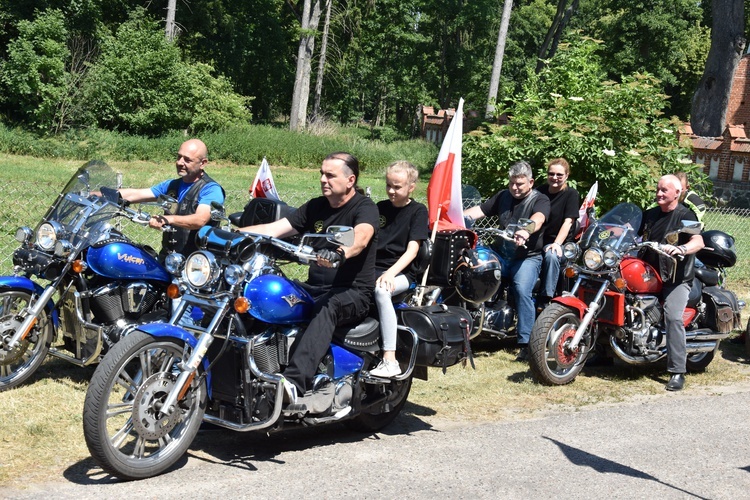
x,y
521,262
193,189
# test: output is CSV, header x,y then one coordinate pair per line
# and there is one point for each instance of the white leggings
x,y
386,311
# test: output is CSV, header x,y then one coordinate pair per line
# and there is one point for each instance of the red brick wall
x,y
738,109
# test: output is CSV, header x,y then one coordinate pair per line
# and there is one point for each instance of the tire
x,y
550,361
377,417
122,431
747,338
699,361
18,364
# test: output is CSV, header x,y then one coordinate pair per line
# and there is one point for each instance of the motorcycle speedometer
x,y
46,236
201,269
593,259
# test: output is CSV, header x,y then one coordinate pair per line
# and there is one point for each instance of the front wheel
x,y
552,362
20,363
126,432
381,404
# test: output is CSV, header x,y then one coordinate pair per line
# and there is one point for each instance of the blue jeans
x,y
551,273
523,274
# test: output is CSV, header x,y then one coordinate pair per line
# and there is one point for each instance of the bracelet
x,y
683,249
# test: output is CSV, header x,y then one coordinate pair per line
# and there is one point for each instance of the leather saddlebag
x,y
443,333
722,309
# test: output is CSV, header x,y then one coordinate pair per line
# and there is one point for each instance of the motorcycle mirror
x,y
343,235
168,203
217,211
527,224
690,227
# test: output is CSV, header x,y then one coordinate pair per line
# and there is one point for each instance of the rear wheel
x,y
125,429
552,362
699,361
381,405
19,363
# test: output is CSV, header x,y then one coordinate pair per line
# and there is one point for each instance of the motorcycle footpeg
x,y
295,409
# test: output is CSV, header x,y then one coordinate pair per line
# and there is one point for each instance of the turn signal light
x,y
173,291
621,283
78,266
241,305
570,272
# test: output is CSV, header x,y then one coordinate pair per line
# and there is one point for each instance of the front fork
x,y
591,310
30,320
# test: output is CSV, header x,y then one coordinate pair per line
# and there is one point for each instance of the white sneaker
x,y
386,369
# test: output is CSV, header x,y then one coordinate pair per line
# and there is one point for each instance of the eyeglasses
x,y
555,174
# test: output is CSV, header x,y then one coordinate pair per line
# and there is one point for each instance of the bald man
x,y
657,223
194,190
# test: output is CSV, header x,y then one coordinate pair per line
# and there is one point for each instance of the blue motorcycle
x,y
220,358
100,285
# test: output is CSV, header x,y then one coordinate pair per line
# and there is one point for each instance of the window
x,y
739,168
713,170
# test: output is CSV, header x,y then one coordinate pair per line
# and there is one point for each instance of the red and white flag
x,y
263,186
588,202
444,190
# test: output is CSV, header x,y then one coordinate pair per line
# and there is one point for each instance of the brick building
x,y
726,159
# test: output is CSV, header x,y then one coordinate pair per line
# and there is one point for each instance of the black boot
x,y
676,382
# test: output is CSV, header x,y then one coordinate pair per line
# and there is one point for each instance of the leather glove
x,y
336,258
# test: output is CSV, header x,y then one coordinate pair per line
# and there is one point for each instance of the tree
x,y
708,117
497,65
309,20
555,31
322,60
612,132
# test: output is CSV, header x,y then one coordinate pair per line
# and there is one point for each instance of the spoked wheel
x,y
390,399
125,429
552,361
19,363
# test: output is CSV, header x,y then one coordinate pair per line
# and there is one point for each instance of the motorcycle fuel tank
x,y
121,260
641,277
278,300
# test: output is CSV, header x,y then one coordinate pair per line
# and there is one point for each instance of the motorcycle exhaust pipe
x,y
704,334
694,347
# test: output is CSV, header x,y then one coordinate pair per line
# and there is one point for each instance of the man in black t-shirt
x,y
341,281
657,223
521,261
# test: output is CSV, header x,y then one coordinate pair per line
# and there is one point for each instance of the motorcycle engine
x,y
271,349
646,314
498,318
115,300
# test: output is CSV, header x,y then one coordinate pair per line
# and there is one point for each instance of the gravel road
x,y
684,445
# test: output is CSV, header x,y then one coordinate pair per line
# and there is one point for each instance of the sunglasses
x,y
553,174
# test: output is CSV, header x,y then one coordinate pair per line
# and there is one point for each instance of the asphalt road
x,y
683,445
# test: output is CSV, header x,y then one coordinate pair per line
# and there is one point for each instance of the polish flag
x,y
444,199
588,202
263,186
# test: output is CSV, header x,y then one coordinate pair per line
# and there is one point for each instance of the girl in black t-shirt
x,y
403,225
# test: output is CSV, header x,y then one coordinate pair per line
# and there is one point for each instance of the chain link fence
x,y
25,202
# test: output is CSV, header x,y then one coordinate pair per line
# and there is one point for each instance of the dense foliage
x,y
612,132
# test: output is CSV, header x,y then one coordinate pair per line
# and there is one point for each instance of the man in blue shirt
x,y
194,190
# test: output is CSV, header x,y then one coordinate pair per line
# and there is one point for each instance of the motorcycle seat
x,y
707,275
362,335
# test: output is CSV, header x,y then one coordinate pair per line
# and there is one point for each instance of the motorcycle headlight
x,y
24,234
63,248
173,263
47,235
571,251
201,269
234,274
593,259
611,258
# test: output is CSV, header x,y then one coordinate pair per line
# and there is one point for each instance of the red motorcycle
x,y
614,307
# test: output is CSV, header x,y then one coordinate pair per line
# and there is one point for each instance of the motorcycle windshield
x,y
616,230
80,209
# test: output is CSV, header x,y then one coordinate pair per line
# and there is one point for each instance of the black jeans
x,y
334,307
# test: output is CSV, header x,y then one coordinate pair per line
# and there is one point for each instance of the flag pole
x,y
420,292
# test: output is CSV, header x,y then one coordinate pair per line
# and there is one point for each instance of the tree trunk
x,y
559,22
497,65
171,9
301,95
709,111
322,62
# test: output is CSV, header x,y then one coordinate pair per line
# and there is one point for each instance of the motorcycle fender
x,y
16,282
573,303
